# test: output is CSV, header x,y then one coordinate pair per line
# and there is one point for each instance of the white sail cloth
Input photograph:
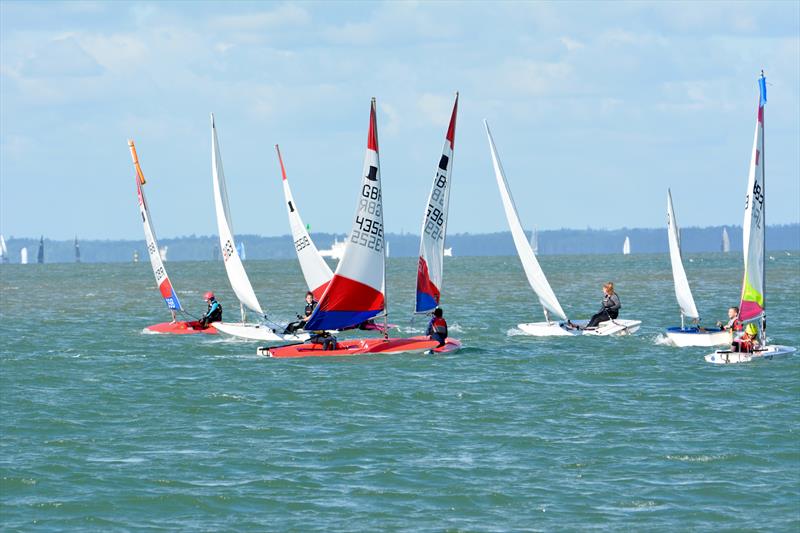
x,y
683,293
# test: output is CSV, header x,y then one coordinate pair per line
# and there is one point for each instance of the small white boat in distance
x,y
3,250
726,241
448,252
23,256
684,335
537,279
336,250
752,307
626,246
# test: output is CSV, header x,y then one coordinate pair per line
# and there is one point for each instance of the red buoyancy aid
x,y
439,326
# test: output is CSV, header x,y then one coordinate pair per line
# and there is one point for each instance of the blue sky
x,y
596,109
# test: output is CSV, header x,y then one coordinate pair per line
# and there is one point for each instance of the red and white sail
x,y
316,271
430,268
357,291
162,279
233,263
753,229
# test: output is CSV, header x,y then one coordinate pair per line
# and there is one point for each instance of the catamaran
x,y
536,277
264,330
753,306
357,291
162,279
684,335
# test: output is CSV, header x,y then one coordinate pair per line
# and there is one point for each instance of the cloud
x,y
284,15
435,108
61,58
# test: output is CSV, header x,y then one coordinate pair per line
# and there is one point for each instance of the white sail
x,y
3,250
535,241
316,271
533,271
233,264
683,292
156,256
726,241
23,256
626,246
430,266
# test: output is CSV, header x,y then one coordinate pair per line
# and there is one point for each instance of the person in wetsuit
x,y
311,304
437,327
610,308
214,312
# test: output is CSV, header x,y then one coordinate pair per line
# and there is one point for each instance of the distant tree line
x,y
551,242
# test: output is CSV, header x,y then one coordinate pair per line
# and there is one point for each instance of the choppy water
x,y
105,428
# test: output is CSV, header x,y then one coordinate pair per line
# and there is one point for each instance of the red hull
x,y
180,328
363,346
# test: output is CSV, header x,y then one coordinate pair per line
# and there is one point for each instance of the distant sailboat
x,y
626,246
241,250
136,256
336,251
163,253
77,250
3,250
40,253
23,256
726,241
535,241
448,252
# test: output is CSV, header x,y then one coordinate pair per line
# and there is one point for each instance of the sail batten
x,y
162,279
533,271
753,303
316,271
683,293
430,266
230,255
357,290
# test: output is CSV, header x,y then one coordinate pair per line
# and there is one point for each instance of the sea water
x,y
107,428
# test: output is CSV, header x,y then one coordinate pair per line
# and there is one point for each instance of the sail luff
x,y
753,228
159,271
315,270
237,276
430,266
530,264
683,292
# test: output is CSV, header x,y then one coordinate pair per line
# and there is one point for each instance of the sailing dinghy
x,y
536,277
357,291
162,279
753,306
684,335
237,276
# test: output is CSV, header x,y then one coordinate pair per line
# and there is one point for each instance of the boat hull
x,y
727,357
363,346
257,332
179,328
683,337
560,329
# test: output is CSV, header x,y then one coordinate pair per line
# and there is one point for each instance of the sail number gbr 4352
x,y
368,229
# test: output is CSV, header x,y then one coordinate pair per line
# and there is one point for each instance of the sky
x,y
596,109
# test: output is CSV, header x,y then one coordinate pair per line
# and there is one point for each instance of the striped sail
x,y
430,268
683,292
233,263
315,270
162,279
753,230
356,292
533,271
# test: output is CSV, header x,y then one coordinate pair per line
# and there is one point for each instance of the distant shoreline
x,y
551,242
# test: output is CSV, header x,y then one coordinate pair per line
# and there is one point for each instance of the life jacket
x,y
214,315
439,325
310,307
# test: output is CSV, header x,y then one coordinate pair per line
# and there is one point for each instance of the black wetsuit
x,y
610,310
309,310
214,313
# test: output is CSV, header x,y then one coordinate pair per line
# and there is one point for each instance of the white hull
x,y
682,339
257,332
726,357
556,329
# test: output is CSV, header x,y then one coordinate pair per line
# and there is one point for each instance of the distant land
x,y
551,242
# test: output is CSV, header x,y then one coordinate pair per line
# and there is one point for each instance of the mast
x,y
762,99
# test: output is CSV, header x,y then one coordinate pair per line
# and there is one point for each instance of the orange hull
x,y
180,328
363,346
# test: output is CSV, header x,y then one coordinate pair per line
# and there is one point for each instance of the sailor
x,y
748,341
437,327
733,324
610,308
311,304
214,312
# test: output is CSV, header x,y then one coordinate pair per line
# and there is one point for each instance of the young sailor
x,y
733,323
214,312
311,304
610,308
748,341
437,327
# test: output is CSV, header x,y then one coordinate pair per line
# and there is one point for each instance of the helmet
x,y
751,329
209,296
